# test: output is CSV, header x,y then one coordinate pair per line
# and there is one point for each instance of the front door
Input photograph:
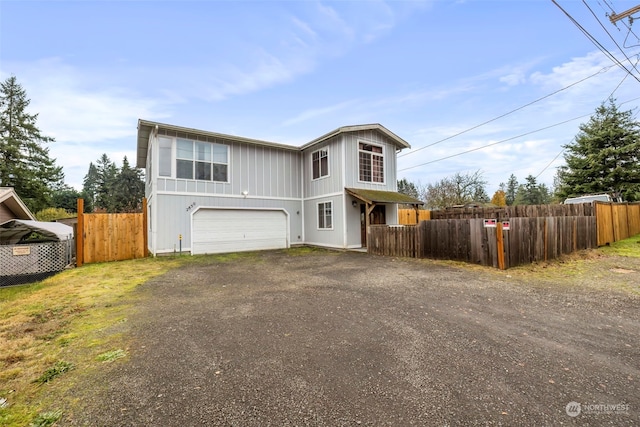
x,y
377,216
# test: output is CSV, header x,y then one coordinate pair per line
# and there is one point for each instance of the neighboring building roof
x,y
15,229
378,196
146,127
10,199
399,142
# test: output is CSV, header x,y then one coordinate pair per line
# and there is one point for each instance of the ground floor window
x,y
325,215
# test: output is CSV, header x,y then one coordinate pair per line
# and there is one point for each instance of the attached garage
x,y
235,230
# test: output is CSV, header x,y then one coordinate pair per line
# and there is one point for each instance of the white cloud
x,y
317,112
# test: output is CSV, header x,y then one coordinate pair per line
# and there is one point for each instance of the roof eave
x,y
399,142
145,128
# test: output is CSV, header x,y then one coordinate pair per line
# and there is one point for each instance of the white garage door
x,y
235,230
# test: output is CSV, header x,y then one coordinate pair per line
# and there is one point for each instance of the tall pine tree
x,y
604,157
25,164
128,188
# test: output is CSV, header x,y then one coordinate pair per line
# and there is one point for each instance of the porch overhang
x,y
373,197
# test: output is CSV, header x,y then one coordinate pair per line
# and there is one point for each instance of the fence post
x,y
80,234
145,225
500,245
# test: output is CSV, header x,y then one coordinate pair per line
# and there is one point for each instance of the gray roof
x,y
146,128
399,142
15,229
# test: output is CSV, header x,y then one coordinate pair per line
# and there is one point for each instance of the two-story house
x,y
210,193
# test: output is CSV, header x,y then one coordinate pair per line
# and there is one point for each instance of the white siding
x,y
173,216
351,141
236,230
330,184
261,171
313,235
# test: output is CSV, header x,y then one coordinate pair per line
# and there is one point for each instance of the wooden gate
x,y
111,237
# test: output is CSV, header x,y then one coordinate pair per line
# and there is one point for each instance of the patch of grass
x,y
69,317
307,250
110,356
56,370
628,248
46,419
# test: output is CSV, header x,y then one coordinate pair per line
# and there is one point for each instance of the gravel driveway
x,y
334,338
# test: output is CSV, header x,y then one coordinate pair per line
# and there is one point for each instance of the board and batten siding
x,y
172,217
351,141
260,170
328,184
327,237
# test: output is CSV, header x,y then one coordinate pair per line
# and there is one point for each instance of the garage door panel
x,y
218,231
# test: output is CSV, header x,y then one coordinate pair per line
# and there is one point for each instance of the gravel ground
x,y
342,338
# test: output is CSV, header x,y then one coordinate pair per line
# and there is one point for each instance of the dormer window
x,y
371,163
320,163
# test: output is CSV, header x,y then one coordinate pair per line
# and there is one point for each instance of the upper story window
x,y
202,160
320,163
164,155
371,163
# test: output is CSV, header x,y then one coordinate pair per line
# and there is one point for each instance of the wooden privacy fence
x,y
408,216
617,221
526,240
110,236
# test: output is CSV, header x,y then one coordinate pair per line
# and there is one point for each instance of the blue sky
x,y
291,71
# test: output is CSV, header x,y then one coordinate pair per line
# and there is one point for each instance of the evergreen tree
x,y
106,172
90,186
108,188
128,188
66,198
532,193
604,157
511,190
25,164
408,188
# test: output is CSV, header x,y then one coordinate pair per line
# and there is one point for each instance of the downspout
x,y
302,197
345,239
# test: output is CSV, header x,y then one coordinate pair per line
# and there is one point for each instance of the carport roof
x,y
379,196
13,230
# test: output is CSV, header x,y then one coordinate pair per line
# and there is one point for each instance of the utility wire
x,y
610,96
608,33
595,42
506,140
628,27
494,143
602,70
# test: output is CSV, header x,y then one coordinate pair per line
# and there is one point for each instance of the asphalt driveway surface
x,y
333,338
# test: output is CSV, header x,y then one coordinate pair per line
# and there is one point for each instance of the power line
x,y
610,96
608,33
628,27
602,70
494,143
595,42
506,140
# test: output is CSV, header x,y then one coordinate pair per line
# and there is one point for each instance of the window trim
x,y
194,160
326,150
382,155
330,203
